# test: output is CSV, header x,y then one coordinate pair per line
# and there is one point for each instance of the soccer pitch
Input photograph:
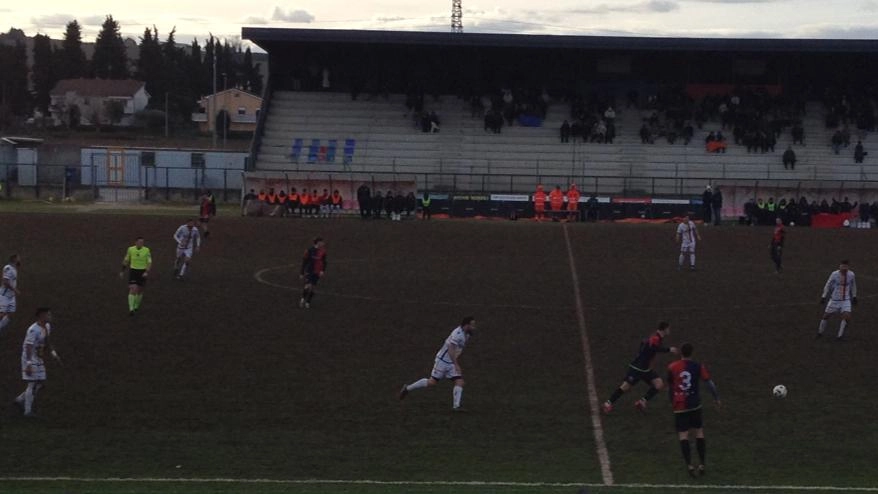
x,y
222,376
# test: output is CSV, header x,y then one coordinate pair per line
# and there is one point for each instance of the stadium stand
x,y
379,135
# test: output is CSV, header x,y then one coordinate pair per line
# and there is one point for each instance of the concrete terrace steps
x,y
386,137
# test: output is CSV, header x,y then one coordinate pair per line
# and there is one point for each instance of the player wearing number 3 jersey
x,y
684,377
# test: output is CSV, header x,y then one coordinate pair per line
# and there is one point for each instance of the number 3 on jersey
x,y
685,380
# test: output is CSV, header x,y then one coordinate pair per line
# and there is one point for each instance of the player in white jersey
x,y
8,290
687,234
841,288
33,365
447,363
188,241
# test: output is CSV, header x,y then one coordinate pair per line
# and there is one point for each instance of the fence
x,y
104,181
181,183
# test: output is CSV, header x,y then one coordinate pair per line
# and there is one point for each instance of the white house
x,y
88,99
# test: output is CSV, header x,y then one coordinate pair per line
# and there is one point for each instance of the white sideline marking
x,y
472,483
594,404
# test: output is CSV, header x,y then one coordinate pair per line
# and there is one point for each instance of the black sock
x,y
305,294
687,454
650,394
701,447
616,394
310,296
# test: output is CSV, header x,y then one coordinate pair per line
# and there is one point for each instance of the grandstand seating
x,y
379,136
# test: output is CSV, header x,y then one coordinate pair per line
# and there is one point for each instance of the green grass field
x,y
225,377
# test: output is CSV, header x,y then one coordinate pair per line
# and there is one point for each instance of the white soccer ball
x,y
792,223
779,391
847,223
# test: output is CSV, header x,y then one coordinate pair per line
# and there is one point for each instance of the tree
x,y
110,58
72,58
150,65
14,95
252,80
43,72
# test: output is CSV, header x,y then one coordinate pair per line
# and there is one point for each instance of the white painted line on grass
x,y
450,483
597,425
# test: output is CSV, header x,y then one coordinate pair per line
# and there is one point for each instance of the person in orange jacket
x,y
556,200
539,203
572,202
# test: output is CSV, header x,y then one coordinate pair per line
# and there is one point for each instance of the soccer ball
x,y
779,391
792,223
847,223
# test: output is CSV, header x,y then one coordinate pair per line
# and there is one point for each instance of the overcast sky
x,y
857,19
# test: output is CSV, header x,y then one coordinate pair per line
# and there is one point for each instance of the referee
x,y
137,261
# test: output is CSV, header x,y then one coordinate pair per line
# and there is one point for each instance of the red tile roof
x,y
97,87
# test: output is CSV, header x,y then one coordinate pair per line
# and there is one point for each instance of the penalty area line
x,y
597,425
452,483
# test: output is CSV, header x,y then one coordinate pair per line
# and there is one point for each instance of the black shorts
x,y
135,277
634,375
685,421
312,278
204,219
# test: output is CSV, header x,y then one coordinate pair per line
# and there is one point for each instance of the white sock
x,y
29,397
682,258
420,383
822,326
692,259
844,324
457,393
183,268
4,322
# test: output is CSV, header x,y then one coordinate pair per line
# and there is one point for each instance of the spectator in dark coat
x,y
789,158
377,204
864,211
388,204
717,206
364,197
798,133
565,131
410,204
706,205
859,154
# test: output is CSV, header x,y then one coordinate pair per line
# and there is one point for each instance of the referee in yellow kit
x,y
138,260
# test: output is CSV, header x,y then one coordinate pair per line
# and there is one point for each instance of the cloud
x,y
391,19
256,21
869,5
829,31
93,20
51,20
295,16
736,1
650,6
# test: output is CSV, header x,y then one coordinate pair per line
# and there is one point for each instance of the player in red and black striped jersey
x,y
777,244
684,377
640,369
313,267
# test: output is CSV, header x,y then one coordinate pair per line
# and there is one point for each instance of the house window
x,y
197,160
147,158
242,110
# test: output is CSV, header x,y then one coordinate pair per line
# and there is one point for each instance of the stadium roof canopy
x,y
272,38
